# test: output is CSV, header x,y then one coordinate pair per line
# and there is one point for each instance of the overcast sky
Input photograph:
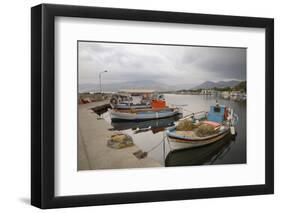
x,y
171,65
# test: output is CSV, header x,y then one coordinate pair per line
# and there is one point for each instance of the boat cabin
x,y
217,113
158,101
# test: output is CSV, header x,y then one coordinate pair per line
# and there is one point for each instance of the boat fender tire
x,y
113,101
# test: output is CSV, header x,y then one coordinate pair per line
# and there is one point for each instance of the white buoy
x,y
232,130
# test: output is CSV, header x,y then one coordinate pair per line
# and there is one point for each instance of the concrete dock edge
x,y
93,152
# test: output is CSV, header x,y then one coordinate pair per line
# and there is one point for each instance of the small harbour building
x,y
137,92
207,92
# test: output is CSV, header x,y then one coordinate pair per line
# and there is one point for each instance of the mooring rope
x,y
154,147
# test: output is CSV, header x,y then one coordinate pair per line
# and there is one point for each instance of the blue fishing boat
x,y
142,114
157,109
204,128
128,105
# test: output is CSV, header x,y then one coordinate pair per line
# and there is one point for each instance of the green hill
x,y
242,86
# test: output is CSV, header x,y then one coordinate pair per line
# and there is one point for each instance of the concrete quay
x,y
93,152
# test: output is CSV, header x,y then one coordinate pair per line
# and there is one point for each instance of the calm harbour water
x,y
227,151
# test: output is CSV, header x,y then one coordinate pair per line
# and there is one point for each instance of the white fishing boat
x,y
157,109
219,122
180,140
127,105
142,114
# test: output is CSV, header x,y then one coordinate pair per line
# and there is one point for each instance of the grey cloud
x,y
168,64
225,62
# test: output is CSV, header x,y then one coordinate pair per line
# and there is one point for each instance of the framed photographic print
x,y
139,106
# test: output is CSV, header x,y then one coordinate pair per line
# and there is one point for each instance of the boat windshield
x,y
217,109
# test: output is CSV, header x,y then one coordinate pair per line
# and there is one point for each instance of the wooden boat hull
x,y
133,106
177,143
152,124
199,156
141,115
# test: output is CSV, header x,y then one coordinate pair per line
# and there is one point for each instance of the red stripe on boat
x,y
212,123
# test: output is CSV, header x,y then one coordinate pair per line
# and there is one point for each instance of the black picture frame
x,y
43,101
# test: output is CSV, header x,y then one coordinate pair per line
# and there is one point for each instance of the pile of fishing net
x,y
204,130
185,125
119,141
187,128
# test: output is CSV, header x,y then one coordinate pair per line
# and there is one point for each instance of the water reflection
x,y
155,126
205,155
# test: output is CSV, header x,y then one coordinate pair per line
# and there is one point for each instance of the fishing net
x,y
185,125
205,130
119,141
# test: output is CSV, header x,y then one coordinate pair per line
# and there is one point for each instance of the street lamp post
x,y
100,79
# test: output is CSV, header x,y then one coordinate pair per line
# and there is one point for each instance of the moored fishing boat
x,y
142,114
203,128
126,105
132,99
157,109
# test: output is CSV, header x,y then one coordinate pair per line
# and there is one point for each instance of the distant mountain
x,y
219,84
141,84
151,84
